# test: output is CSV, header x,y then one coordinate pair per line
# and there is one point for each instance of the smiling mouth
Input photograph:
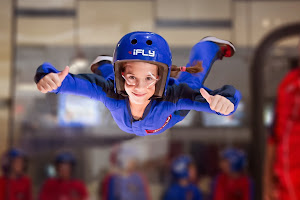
x,y
139,95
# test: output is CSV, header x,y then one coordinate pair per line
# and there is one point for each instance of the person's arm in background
x,y
29,190
248,189
83,191
104,187
46,192
217,189
145,186
269,192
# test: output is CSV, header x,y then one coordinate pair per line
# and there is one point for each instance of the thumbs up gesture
x,y
218,103
52,80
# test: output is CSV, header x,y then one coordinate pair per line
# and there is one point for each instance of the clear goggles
x,y
147,82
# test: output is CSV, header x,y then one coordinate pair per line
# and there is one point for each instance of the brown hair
x,y
195,68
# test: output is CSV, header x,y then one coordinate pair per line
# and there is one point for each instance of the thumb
x,y
62,75
205,95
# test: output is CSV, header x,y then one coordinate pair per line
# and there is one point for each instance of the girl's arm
x,y
49,79
226,98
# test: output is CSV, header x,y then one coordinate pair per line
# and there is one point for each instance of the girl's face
x,y
140,79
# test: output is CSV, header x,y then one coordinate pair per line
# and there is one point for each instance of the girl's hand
x,y
218,103
52,81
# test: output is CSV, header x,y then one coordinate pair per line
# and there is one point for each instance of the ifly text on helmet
x,y
142,51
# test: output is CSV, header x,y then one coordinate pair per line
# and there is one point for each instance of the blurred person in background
x,y
183,186
193,173
282,162
128,183
64,186
14,184
105,191
232,183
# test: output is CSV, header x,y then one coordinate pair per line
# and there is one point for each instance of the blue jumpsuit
x,y
177,192
182,94
131,187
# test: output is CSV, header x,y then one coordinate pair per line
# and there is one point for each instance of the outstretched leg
x,y
207,51
102,66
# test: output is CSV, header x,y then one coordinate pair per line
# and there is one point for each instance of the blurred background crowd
x,y
128,178
62,147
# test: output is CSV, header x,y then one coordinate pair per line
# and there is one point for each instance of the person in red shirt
x,y
232,183
282,163
14,184
64,186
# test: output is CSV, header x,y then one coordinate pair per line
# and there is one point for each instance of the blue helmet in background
x,y
15,153
180,167
147,47
236,158
65,157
